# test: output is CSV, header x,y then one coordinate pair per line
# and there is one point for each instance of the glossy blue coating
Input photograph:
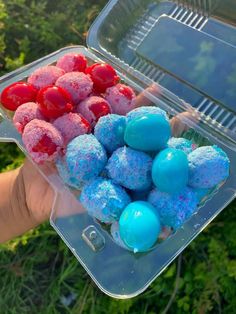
x,y
110,130
170,170
139,226
208,166
149,132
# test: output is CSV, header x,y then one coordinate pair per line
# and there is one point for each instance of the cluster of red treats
x,y
58,103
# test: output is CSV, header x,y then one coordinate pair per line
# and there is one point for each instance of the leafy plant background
x,y
38,274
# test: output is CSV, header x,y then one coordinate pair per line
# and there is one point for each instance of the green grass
x,y
37,271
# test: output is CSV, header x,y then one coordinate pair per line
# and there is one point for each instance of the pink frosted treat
x,y
42,141
77,84
121,98
72,62
93,108
45,76
25,113
71,125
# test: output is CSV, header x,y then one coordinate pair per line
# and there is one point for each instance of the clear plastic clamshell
x,y
180,56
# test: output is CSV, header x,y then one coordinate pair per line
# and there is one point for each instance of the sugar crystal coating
x,y
71,125
72,62
66,177
208,166
25,113
85,158
42,140
104,199
93,108
121,98
130,168
181,143
110,131
45,76
174,209
77,84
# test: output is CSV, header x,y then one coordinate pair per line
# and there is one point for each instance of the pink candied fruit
x,y
47,75
77,84
93,108
121,98
71,125
25,113
42,141
72,62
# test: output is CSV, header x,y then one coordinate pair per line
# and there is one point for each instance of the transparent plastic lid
x,y
121,36
186,47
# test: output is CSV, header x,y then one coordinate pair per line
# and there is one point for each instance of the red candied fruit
x,y
54,101
100,109
103,76
45,145
17,94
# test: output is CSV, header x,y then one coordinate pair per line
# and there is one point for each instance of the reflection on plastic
x,y
201,60
93,238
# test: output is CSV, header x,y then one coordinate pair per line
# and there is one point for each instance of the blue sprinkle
x,y
208,166
110,131
130,168
104,200
174,209
85,158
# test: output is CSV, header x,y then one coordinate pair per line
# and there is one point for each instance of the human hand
x,y
26,200
38,194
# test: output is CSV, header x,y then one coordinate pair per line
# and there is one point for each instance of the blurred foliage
x,y
37,271
31,29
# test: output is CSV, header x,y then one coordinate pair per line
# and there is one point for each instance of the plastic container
x,y
137,37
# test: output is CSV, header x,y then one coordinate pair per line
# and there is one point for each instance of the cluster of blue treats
x,y
136,177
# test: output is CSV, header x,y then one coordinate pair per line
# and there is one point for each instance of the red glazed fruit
x,y
54,101
17,94
103,76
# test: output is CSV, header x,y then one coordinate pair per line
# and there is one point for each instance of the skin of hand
x,y
39,194
26,200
